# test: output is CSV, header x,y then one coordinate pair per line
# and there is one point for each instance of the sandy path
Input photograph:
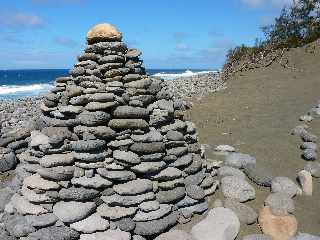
x,y
256,114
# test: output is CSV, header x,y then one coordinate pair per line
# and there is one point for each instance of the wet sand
x,y
256,114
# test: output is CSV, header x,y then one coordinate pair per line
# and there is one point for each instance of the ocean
x,y
18,84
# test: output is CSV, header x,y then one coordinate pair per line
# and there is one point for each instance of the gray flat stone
x,y
61,173
125,224
134,187
130,112
170,196
36,181
54,233
127,157
169,173
116,212
156,227
70,212
55,160
148,167
149,206
118,200
195,192
148,148
152,136
91,224
118,175
18,226
95,182
40,221
78,194
152,215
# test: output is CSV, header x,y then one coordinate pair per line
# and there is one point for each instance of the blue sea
x,y
17,84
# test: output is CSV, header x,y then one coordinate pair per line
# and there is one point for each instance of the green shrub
x,y
296,26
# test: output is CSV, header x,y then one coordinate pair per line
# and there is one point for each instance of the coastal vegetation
x,y
297,25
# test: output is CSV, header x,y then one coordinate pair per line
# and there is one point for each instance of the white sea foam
x,y
172,76
33,89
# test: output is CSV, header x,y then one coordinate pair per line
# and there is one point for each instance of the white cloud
x,y
267,3
21,20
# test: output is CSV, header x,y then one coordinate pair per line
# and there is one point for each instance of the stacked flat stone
x,y
115,154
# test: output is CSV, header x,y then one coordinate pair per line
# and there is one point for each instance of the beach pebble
x,y
278,227
239,160
280,204
309,145
284,185
259,175
306,118
305,179
237,188
309,154
245,213
225,148
222,223
313,168
230,171
305,236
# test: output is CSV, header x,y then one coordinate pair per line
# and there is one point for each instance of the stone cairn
x,y
115,158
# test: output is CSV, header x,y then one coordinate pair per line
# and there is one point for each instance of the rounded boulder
x,y
103,32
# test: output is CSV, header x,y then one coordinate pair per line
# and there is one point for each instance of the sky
x,y
172,34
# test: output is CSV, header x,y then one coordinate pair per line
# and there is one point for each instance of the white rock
x,y
225,148
305,180
38,138
220,224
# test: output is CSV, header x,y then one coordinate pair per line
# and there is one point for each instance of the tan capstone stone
x,y
103,32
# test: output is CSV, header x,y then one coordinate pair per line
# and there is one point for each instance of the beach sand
x,y
256,114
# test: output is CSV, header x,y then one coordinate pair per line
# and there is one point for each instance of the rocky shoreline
x,y
18,113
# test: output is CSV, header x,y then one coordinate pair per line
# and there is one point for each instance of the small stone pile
x,y
113,156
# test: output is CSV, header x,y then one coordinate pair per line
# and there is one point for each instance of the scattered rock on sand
x,y
222,223
278,227
305,236
309,154
245,213
239,160
259,175
280,204
237,188
284,185
313,168
305,180
225,148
